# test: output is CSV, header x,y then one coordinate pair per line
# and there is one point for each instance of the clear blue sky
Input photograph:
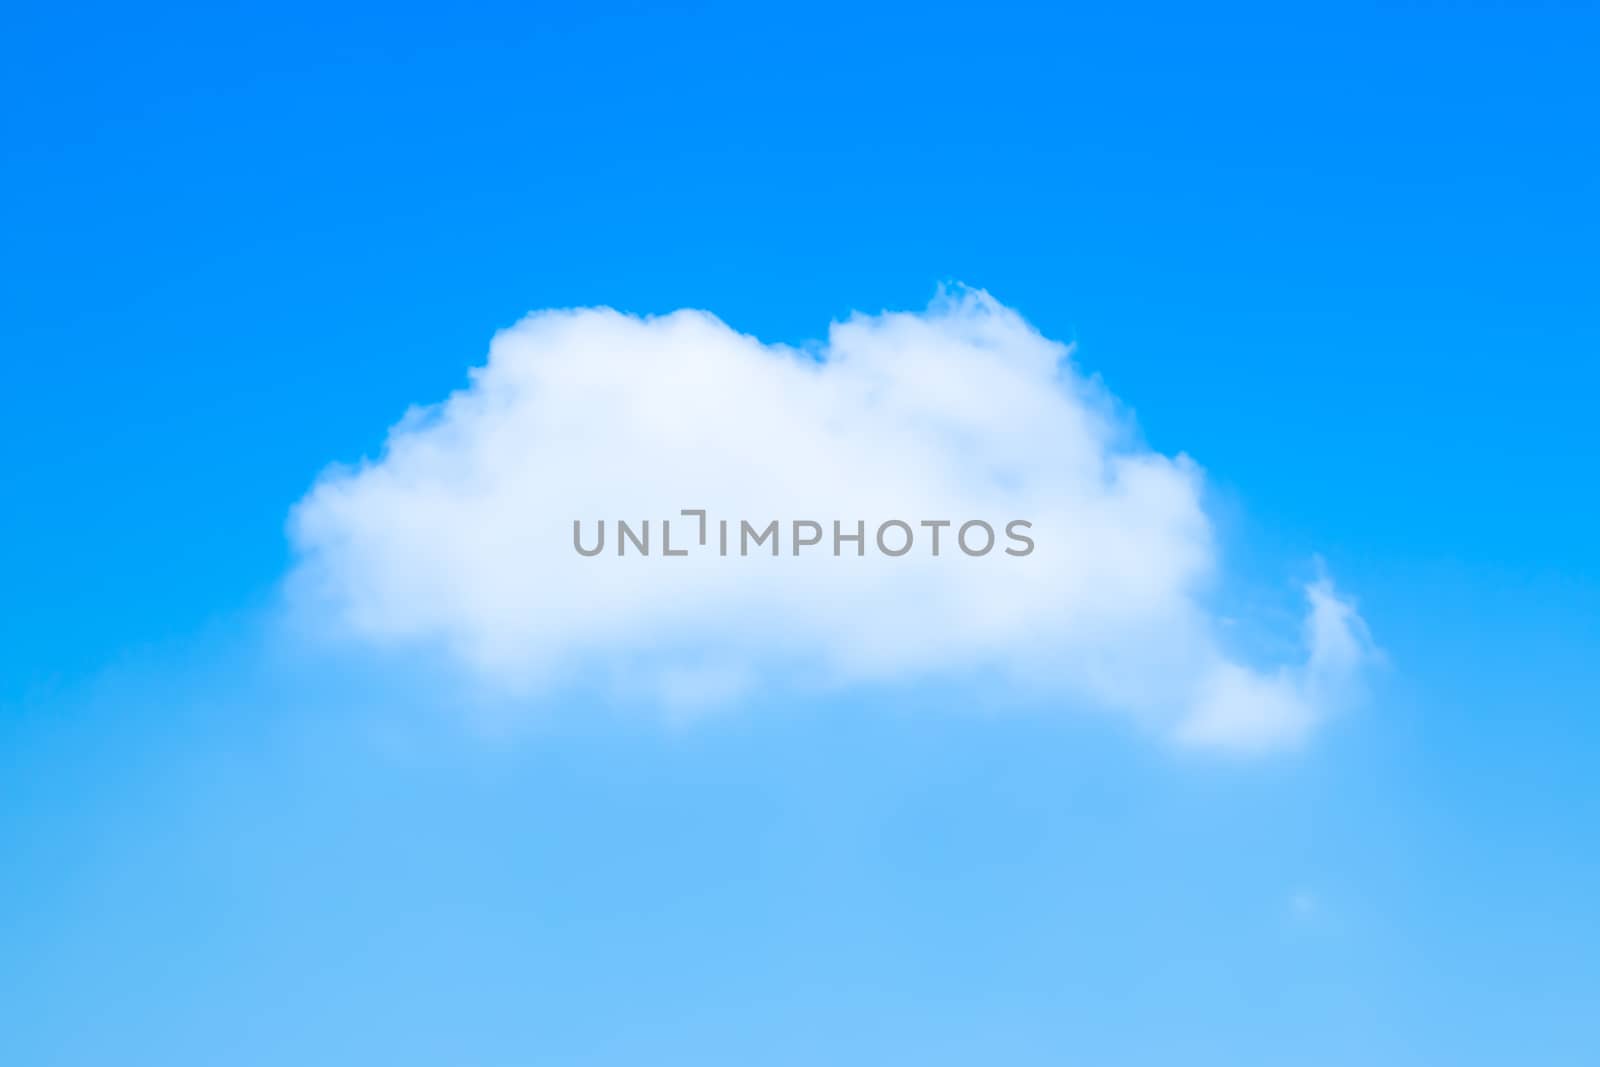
x,y
1344,256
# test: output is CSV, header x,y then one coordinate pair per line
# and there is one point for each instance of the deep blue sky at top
x,y
1343,255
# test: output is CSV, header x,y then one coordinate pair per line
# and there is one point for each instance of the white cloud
x,y
1304,906
459,537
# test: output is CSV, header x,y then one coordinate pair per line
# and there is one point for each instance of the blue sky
x,y
1343,257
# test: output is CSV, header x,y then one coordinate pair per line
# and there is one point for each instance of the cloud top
x,y
459,537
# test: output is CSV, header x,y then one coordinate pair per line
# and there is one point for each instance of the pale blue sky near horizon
x,y
1343,256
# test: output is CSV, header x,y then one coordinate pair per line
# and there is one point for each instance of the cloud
x,y
459,538
1303,905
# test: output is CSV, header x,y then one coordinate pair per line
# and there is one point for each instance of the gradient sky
x,y
1343,256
